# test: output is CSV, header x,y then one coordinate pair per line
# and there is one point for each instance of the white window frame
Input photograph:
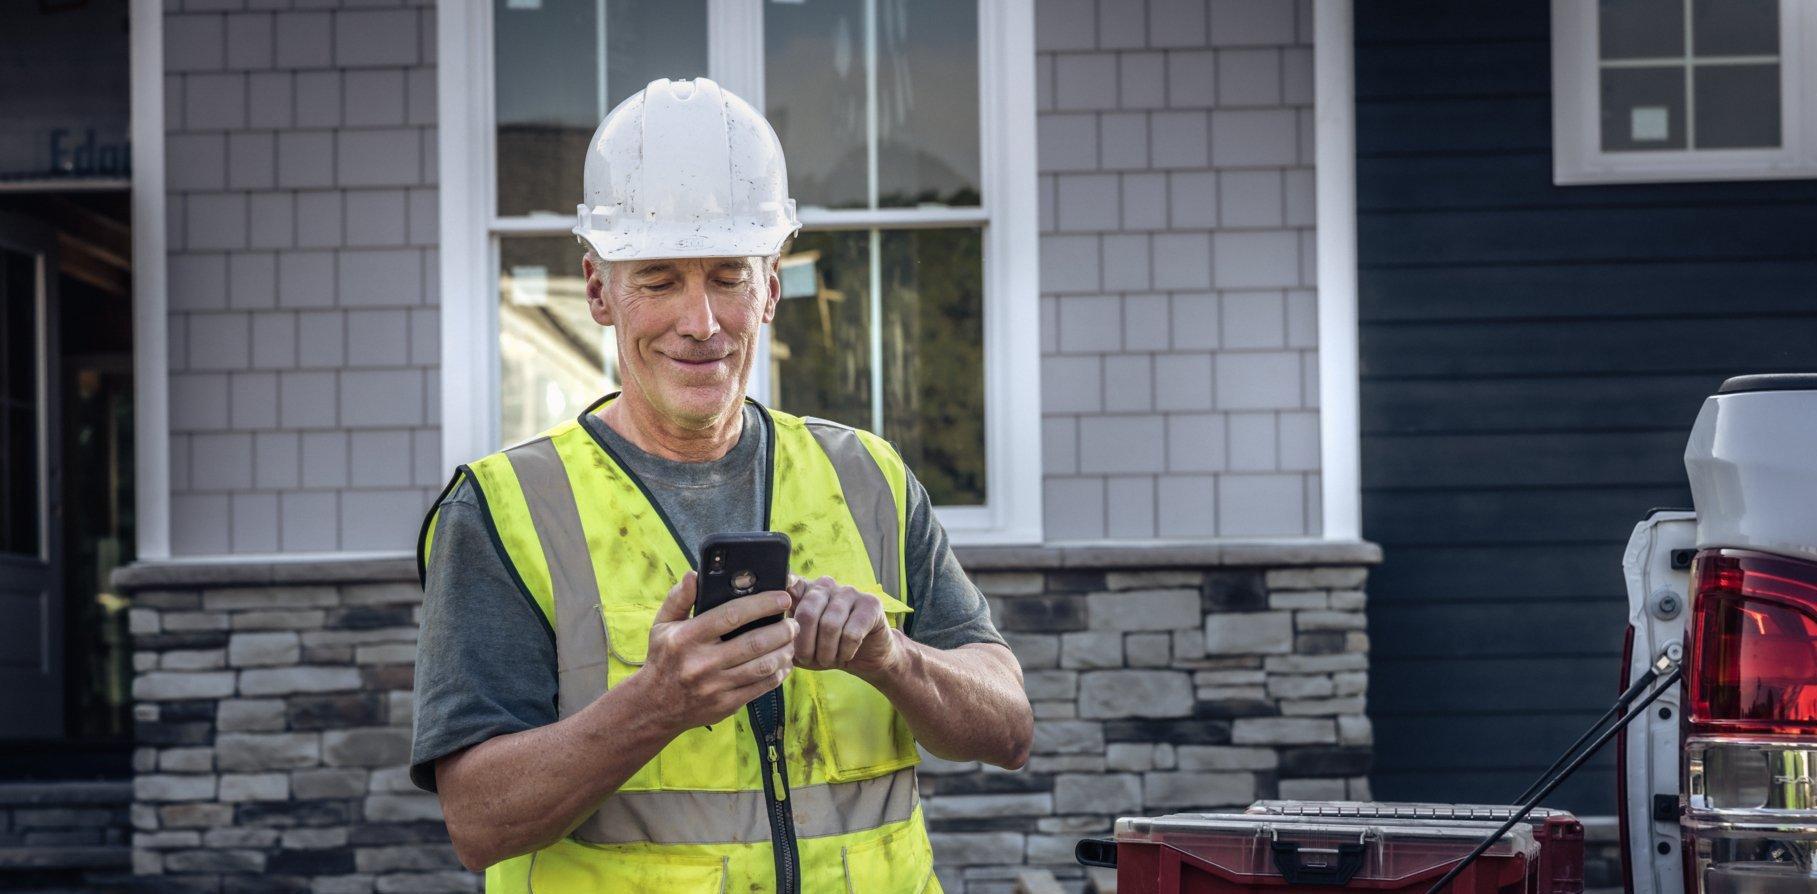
x,y
1577,155
1006,96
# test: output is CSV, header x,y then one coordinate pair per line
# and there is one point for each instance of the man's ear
x,y
772,268
596,272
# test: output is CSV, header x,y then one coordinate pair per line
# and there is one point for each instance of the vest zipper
x,y
766,724
768,733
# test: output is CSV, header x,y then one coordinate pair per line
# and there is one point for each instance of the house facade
x,y
1170,303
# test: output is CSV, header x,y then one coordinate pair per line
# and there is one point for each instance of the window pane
x,y
549,78
816,90
814,97
820,343
933,358
1735,27
19,403
1737,106
1643,108
1641,29
927,102
553,359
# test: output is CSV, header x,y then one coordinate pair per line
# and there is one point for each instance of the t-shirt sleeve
x,y
949,611
485,661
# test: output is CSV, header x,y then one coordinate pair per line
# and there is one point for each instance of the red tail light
x,y
1753,659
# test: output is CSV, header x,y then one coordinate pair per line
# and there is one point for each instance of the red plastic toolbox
x,y
1559,870
1233,853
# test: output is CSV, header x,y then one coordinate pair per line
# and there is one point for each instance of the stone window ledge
x,y
179,573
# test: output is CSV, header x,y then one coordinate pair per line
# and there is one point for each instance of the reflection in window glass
x,y
1737,106
933,358
1641,29
932,339
1643,108
927,102
1735,27
820,341
554,83
818,77
814,96
553,358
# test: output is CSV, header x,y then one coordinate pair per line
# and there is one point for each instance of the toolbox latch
x,y
1318,865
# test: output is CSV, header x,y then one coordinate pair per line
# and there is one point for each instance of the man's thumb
x,y
680,600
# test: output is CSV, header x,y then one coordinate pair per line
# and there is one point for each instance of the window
x,y
909,298
1659,90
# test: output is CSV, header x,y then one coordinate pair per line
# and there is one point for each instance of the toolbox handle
x,y
1327,871
1096,852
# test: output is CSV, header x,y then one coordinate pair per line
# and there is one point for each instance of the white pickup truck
x,y
1719,778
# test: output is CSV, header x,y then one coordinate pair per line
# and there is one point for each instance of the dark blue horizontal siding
x,y
1532,359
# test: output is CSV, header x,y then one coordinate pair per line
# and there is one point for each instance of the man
x,y
584,729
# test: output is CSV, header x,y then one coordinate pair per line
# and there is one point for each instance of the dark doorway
x,y
66,484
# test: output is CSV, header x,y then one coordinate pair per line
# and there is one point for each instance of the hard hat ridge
x,y
685,169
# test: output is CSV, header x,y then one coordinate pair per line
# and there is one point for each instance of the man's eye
x,y
731,283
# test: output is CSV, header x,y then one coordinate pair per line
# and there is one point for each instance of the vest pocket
x,y
861,733
900,860
627,647
571,866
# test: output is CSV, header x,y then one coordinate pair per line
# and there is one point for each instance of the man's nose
x,y
698,321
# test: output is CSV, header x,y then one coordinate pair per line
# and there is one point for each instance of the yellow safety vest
x,y
833,806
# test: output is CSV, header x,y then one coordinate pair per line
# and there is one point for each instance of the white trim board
x,y
150,325
1334,175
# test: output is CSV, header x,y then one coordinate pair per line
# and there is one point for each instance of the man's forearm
x,y
962,704
513,794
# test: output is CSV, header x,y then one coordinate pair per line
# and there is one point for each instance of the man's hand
x,y
841,628
698,680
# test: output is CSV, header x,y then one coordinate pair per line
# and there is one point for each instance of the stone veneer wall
x,y
1164,679
273,711
274,703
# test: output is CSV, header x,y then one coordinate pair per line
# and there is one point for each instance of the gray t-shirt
x,y
485,662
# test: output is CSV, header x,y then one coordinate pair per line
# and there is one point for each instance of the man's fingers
x,y
679,601
771,667
735,614
754,644
745,694
859,625
832,623
807,615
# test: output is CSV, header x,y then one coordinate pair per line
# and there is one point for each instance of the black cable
x,y
1621,704
1576,763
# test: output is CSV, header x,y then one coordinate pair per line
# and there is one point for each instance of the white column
x,y
1334,108
150,327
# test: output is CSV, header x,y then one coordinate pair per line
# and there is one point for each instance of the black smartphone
x,y
739,564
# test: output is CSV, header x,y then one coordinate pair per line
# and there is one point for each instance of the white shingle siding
x,y
1179,368
302,230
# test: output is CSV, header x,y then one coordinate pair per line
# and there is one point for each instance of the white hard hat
x,y
684,169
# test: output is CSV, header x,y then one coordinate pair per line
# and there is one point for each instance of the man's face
x,y
687,329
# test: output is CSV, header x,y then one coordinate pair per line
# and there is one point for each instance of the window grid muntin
x,y
1688,63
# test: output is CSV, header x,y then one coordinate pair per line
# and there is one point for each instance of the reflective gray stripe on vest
x,y
580,632
868,496
696,817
